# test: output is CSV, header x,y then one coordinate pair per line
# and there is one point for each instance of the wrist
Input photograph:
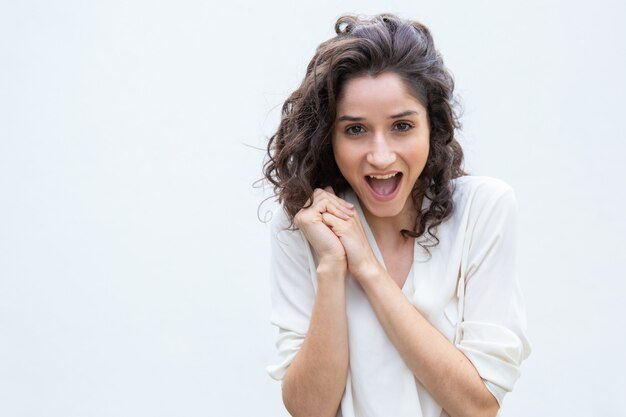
x,y
332,267
368,271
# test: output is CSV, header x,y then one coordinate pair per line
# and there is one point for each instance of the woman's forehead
x,y
386,92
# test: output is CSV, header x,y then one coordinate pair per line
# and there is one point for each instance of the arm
x,y
316,379
314,337
445,372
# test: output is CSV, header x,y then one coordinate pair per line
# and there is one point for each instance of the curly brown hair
x,y
299,154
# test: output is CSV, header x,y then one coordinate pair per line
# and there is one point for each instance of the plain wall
x,y
133,266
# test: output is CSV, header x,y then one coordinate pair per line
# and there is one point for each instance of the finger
x,y
344,209
331,221
328,189
324,199
326,205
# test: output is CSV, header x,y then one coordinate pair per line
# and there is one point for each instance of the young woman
x,y
393,271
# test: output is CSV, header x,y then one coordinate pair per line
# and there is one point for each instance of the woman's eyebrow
x,y
404,114
350,118
358,119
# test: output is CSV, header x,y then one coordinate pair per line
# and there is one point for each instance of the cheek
x,y
423,148
417,147
425,151
343,156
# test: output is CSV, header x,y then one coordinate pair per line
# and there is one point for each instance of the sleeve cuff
x,y
288,345
496,352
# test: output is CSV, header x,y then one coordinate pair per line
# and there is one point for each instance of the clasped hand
x,y
334,230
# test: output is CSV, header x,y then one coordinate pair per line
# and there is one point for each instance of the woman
x,y
395,293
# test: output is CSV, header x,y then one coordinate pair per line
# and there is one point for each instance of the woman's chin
x,y
384,212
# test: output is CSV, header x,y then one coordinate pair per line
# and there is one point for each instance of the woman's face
x,y
380,142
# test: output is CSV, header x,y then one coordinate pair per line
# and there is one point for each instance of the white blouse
x,y
467,289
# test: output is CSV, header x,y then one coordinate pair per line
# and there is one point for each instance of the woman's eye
x,y
354,130
403,126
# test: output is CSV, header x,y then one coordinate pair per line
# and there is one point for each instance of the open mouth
x,y
384,187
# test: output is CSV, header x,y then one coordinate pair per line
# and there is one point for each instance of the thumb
x,y
329,189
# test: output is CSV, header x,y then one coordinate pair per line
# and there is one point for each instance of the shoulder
x,y
481,202
284,234
280,219
281,225
481,186
478,193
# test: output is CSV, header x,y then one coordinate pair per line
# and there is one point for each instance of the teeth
x,y
383,177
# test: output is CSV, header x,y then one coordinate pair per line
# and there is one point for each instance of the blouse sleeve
x,y
292,291
493,330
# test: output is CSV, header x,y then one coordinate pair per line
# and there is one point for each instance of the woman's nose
x,y
381,154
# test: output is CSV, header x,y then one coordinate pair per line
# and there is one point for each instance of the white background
x,y
133,267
